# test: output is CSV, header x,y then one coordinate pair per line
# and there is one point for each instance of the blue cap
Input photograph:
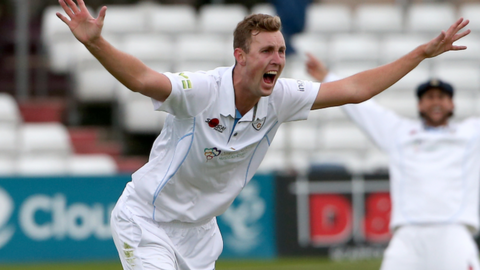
x,y
437,84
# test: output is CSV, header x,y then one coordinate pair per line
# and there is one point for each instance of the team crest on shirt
x,y
258,124
210,153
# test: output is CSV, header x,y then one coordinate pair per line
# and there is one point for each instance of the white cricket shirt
x,y
434,172
199,164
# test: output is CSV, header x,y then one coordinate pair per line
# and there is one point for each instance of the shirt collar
x,y
258,111
227,94
447,127
227,100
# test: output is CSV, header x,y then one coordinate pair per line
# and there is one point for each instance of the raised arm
x,y
364,85
316,68
129,70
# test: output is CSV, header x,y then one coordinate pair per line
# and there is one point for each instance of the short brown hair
x,y
252,25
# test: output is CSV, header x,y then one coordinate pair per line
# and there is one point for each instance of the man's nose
x,y
277,58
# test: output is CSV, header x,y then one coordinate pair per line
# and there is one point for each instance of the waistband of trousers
x,y
182,225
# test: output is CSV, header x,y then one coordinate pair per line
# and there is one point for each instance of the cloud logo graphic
x,y
6,232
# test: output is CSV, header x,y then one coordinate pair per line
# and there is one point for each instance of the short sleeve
x,y
192,93
294,99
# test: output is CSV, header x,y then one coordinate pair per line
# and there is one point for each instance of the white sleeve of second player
x,y
379,123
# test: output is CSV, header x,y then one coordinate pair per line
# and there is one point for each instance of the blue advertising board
x,y
248,225
57,218
68,219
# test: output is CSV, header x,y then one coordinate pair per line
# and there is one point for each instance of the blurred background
x,y
71,135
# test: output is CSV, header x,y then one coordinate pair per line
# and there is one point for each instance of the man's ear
x,y
240,56
419,106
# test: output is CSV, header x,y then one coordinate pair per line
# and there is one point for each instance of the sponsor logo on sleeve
x,y
301,85
186,83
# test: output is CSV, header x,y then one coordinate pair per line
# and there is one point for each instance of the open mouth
x,y
269,77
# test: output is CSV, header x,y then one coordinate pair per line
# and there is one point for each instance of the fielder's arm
x,y
364,85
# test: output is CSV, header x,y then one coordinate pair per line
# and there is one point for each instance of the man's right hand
x,y
444,42
83,26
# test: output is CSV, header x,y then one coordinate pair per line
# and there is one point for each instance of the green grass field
x,y
280,264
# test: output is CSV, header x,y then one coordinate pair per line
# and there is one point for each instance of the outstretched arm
x,y
364,85
127,69
376,121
